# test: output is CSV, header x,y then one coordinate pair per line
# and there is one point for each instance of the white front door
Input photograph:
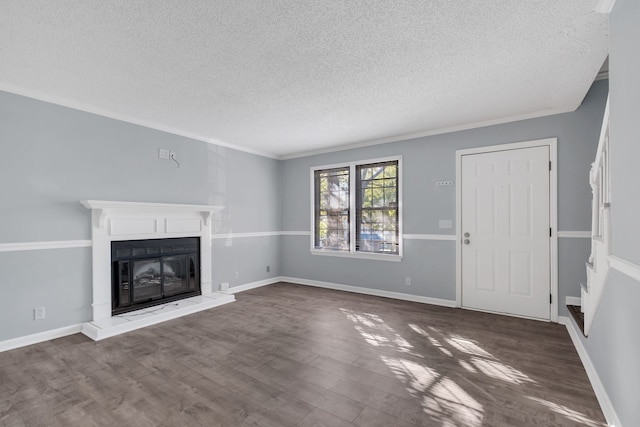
x,y
505,232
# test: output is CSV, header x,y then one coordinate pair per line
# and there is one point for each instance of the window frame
x,y
353,181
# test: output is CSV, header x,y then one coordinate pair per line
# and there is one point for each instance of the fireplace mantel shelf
x,y
103,207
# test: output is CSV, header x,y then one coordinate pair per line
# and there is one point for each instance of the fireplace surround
x,y
113,222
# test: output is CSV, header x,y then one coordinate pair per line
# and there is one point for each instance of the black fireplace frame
x,y
124,256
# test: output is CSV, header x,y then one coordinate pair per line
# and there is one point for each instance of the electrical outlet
x,y
407,281
163,153
38,313
236,275
224,286
268,268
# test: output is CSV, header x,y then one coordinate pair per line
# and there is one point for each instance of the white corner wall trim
x,y
259,234
575,234
39,337
369,291
601,394
626,267
36,246
451,237
605,6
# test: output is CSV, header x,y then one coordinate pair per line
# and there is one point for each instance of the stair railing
x,y
598,265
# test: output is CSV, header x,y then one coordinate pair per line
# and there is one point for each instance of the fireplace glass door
x,y
175,275
147,280
150,272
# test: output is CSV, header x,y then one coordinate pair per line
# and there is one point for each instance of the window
x,y
356,209
332,208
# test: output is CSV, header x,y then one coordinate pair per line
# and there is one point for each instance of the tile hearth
x,y
109,327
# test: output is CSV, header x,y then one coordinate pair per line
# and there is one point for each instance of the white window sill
x,y
357,255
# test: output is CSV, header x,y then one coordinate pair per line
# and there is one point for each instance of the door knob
x,y
466,234
467,241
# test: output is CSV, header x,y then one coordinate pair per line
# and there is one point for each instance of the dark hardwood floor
x,y
289,355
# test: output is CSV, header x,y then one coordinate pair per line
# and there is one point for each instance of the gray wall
x,y
614,341
53,157
431,264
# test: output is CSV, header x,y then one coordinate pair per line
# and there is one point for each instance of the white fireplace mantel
x,y
102,209
116,221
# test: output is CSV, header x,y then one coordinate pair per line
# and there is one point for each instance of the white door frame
x,y
553,212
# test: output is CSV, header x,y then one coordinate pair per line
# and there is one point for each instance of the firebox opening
x,y
151,272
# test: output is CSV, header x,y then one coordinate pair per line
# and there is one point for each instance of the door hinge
x,y
550,231
550,299
549,165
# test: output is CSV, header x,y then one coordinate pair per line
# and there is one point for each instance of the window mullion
x,y
353,182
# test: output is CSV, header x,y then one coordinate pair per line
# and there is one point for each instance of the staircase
x,y
598,265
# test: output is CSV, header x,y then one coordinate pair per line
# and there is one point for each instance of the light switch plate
x,y
445,223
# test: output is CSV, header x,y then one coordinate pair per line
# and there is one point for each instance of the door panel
x,y
505,211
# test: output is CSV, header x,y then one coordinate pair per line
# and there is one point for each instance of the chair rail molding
x,y
39,246
626,267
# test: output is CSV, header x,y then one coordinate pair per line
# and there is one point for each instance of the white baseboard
x,y
573,301
253,285
39,337
601,394
369,291
346,288
97,333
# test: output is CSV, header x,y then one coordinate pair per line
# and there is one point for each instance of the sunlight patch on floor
x,y
500,371
467,346
453,400
419,377
566,412
441,398
466,365
480,359
376,332
434,342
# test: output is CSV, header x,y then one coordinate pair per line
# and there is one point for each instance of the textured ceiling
x,y
289,76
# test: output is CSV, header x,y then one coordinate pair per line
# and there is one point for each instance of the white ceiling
x,y
286,77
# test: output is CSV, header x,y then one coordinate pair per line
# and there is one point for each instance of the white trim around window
x,y
352,253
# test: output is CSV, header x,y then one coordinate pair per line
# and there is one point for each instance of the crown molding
x,y
432,132
64,102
